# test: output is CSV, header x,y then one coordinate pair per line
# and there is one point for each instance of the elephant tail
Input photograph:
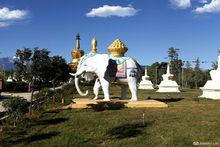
x,y
139,70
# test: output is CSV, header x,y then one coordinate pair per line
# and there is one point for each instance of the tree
x,y
188,65
214,65
188,75
156,70
200,77
173,53
41,66
175,63
59,69
23,64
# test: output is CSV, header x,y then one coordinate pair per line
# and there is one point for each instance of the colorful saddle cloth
x,y
121,70
121,66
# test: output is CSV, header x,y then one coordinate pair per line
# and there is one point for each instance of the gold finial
x,y
117,48
77,41
94,45
76,53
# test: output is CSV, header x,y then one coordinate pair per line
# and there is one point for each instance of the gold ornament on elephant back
x,y
76,53
94,45
117,48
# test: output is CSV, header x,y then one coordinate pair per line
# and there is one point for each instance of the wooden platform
x,y
88,103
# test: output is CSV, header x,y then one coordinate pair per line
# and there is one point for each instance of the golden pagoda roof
x,y
117,48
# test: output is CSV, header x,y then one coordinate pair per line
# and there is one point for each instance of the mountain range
x,y
6,63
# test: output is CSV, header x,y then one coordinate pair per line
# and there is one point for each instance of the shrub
x,y
15,87
16,107
44,94
66,92
42,97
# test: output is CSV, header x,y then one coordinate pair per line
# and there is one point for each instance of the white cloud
x,y
203,1
182,4
8,17
4,24
107,11
7,14
212,7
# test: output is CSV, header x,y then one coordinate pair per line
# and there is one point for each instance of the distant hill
x,y
7,63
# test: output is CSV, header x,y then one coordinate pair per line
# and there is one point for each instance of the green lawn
x,y
186,120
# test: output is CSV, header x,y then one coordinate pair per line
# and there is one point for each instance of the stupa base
x,y
146,87
168,89
210,93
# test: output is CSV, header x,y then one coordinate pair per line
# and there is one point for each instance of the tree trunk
x,y
32,94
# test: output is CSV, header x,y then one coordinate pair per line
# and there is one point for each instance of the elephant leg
x,y
96,88
105,88
132,83
124,90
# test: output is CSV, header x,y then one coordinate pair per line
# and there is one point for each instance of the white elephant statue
x,y
105,67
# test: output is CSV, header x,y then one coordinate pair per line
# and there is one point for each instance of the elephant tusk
x,y
72,74
78,89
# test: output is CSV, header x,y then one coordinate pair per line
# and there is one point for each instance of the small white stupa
x,y
10,79
212,87
145,82
168,85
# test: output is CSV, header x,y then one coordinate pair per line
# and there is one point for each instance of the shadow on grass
x,y
169,100
101,106
43,136
33,138
128,130
53,121
52,111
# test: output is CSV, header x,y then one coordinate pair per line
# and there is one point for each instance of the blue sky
x,y
147,27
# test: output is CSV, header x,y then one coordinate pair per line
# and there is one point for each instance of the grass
x,y
187,119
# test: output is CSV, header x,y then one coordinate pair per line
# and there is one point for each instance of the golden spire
x,y
77,41
94,45
76,53
117,48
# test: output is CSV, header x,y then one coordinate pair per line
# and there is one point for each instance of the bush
x,y
66,92
16,107
15,87
41,98
44,93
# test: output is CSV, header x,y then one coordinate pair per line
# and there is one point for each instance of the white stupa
x,y
145,82
212,87
168,85
10,79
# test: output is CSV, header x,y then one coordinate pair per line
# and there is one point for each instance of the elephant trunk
x,y
78,89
